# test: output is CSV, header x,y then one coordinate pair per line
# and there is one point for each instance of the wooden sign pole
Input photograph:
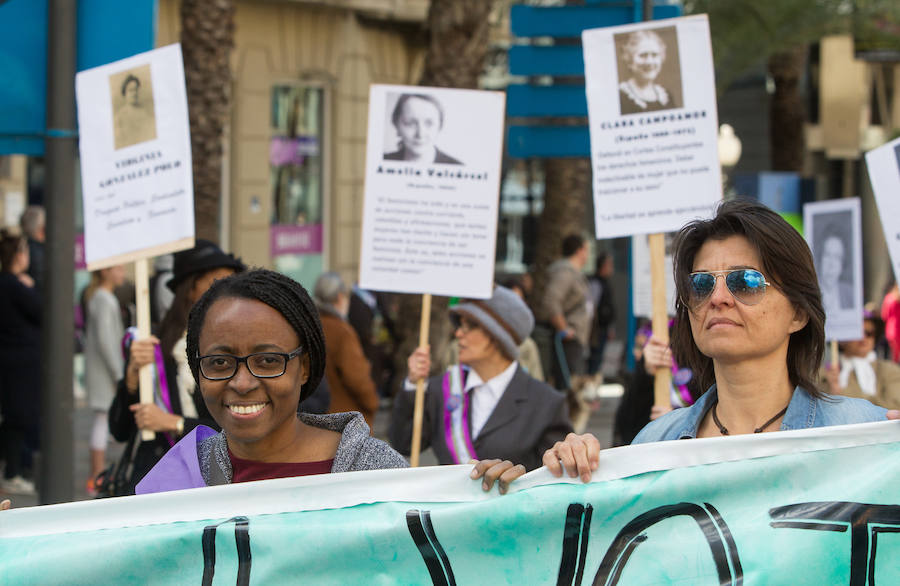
x,y
663,378
419,409
142,298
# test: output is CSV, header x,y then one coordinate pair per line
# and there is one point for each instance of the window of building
x,y
296,180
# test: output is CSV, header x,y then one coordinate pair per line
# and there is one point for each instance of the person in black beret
x,y
177,408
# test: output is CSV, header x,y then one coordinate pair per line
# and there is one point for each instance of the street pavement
x,y
600,424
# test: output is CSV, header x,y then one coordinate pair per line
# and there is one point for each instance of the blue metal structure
x,y
108,30
534,137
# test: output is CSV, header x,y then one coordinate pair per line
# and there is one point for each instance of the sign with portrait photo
x,y
653,122
834,233
432,189
134,140
884,172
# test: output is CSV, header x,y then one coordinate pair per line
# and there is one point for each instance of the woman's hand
x,y
26,280
502,472
579,455
5,505
150,416
893,414
418,365
142,353
657,355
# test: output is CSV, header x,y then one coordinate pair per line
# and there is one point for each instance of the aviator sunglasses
x,y
746,285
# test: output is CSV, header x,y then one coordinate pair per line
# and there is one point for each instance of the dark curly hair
x,y
279,292
787,263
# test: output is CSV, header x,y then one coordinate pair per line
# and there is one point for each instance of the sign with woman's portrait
x,y
131,94
833,231
649,70
432,190
654,131
135,146
883,165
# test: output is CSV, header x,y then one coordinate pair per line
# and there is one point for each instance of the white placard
x,y
834,233
432,190
884,173
652,106
641,283
134,139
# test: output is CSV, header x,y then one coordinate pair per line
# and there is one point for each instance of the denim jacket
x,y
804,411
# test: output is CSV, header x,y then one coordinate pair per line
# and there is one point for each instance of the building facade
x,y
296,143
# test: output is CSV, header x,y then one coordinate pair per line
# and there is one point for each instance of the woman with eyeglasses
x,y
750,325
860,373
486,406
256,349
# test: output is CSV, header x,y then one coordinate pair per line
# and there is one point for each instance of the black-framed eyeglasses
x,y
746,285
462,323
260,364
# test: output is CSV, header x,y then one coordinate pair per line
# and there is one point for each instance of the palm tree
x,y
746,33
207,37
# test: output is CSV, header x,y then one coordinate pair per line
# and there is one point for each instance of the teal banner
x,y
806,507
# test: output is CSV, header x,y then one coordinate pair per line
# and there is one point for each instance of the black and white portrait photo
x,y
649,70
833,258
415,130
134,119
833,230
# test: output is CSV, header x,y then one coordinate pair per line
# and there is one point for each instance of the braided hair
x,y
279,292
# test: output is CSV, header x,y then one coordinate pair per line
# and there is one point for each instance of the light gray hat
x,y
504,316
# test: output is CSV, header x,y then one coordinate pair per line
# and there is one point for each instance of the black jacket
x,y
529,418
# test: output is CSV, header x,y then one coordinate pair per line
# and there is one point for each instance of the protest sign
x,y
641,287
834,233
812,506
883,165
653,122
431,195
135,147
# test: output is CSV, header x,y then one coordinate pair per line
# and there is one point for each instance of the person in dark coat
x,y
20,362
487,406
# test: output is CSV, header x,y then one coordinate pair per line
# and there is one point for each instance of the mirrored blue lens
x,y
702,285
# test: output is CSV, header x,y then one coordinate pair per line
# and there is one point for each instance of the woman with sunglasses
x,y
750,325
860,373
486,406
256,349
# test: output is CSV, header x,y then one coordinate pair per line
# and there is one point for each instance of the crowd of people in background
x,y
502,396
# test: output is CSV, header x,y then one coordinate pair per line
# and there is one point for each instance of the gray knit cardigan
x,y
357,450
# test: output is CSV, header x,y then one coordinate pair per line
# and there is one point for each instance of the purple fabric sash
x,y
163,387
179,468
456,417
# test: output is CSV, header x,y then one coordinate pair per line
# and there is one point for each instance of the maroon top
x,y
248,470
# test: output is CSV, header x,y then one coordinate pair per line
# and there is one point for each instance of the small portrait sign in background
x,y
432,188
134,140
653,130
834,233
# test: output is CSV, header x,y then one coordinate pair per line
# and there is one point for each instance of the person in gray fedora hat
x,y
487,406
